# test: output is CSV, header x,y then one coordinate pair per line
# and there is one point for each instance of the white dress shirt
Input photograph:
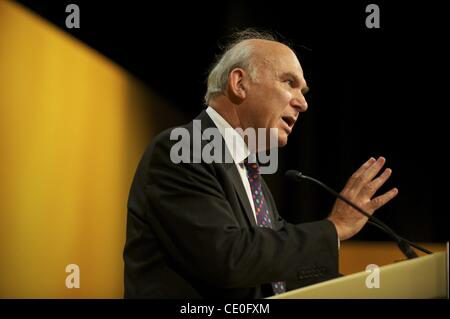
x,y
237,148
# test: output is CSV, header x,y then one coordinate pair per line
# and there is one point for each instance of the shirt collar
x,y
234,141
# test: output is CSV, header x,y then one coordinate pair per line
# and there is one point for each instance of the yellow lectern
x,y
423,277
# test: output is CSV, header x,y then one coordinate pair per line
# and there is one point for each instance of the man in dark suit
x,y
198,228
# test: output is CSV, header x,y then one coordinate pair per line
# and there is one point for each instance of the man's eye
x,y
290,82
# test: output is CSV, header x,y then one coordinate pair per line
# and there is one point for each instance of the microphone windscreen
x,y
292,174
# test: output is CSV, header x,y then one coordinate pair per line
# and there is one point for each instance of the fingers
x,y
379,201
371,188
358,173
360,188
366,176
372,171
364,167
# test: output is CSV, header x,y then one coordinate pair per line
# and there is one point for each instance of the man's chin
x,y
282,141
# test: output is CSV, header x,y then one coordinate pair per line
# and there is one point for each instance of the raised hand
x,y
360,189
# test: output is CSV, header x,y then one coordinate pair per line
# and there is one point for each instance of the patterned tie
x,y
261,209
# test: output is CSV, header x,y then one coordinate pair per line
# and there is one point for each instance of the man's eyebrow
x,y
305,89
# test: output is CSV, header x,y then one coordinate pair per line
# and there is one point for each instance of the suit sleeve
x,y
309,273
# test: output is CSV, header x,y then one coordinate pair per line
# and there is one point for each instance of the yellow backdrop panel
x,y
73,126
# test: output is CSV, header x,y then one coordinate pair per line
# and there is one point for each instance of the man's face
x,y
276,98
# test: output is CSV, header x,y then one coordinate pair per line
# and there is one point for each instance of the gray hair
x,y
235,55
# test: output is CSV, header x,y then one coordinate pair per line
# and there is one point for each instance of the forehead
x,y
287,63
277,58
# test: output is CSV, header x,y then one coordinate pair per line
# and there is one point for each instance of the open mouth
x,y
289,120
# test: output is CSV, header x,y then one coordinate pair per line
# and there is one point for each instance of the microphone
x,y
403,244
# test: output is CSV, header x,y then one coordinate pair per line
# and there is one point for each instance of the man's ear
x,y
236,86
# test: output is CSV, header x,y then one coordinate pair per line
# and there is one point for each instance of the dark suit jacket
x,y
191,233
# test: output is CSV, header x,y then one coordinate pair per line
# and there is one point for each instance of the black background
x,y
370,88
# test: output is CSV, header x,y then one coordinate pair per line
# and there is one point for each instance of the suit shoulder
x,y
165,138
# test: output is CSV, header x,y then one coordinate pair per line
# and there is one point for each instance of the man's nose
x,y
299,103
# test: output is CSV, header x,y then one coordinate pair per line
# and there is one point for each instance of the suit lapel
x,y
233,174
231,171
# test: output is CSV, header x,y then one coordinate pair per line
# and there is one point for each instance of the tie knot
x,y
251,166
